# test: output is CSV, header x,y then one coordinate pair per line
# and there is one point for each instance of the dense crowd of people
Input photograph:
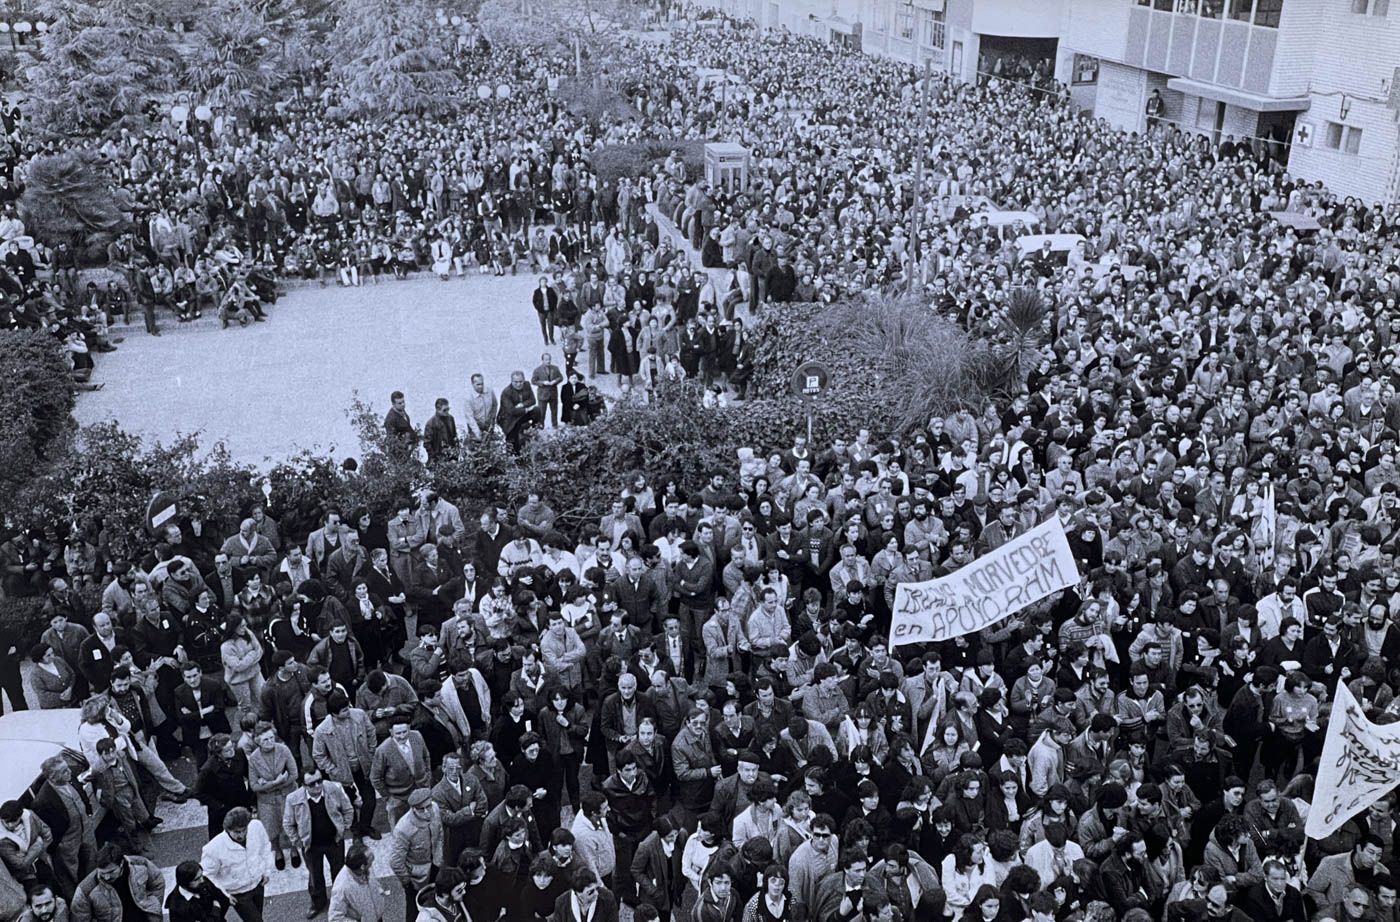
x,y
704,677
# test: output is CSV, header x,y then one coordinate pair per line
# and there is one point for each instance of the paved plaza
x,y
277,387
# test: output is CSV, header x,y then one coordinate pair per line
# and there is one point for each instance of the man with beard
x,y
195,898
1127,881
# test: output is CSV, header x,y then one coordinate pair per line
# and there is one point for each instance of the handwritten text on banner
x,y
1019,573
1360,765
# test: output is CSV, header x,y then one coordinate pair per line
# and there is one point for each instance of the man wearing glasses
x,y
813,861
316,817
588,901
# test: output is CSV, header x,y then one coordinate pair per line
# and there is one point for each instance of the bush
x,y
594,100
108,477
36,400
22,619
617,161
303,487
475,477
582,469
894,363
69,198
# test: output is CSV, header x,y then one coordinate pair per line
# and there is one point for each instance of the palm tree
x,y
68,198
1023,326
233,62
389,56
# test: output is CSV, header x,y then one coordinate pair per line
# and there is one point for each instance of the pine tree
x,y
389,56
98,64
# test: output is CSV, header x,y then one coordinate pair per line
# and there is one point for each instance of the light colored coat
x,y
331,753
354,900
296,813
95,900
415,846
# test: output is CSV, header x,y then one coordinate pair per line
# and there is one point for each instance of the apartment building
x,y
1315,80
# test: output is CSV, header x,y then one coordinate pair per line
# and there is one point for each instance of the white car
x,y
27,738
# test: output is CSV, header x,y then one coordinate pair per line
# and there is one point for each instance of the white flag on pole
x,y
1360,765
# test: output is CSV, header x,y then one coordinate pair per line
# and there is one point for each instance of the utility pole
x,y
920,154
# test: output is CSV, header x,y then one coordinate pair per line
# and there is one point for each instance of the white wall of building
x,y
1021,18
1122,96
1352,63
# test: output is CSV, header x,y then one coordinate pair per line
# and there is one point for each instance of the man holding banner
x,y
1360,765
1017,574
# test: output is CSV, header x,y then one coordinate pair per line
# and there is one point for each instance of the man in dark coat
x,y
194,898
519,409
640,595
440,434
201,703
1273,899
397,425
656,872
546,303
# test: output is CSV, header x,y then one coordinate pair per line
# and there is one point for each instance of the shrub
x,y
581,469
108,478
594,100
304,486
616,161
1020,330
894,363
475,476
22,621
36,400
69,198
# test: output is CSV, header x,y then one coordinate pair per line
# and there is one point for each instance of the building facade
x,y
1311,79
1314,81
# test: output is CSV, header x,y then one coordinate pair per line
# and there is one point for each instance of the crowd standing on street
x,y
692,708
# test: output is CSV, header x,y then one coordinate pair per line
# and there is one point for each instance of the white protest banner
x,y
1019,573
1360,764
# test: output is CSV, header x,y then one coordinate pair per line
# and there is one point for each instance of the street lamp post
x,y
920,154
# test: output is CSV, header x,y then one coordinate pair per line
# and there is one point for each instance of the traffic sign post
x,y
810,381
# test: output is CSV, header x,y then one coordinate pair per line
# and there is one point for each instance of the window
x,y
1164,5
1374,7
1086,70
904,21
1240,9
1267,13
1344,138
1212,9
931,29
882,18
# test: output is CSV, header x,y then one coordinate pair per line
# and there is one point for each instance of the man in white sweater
x,y
239,861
